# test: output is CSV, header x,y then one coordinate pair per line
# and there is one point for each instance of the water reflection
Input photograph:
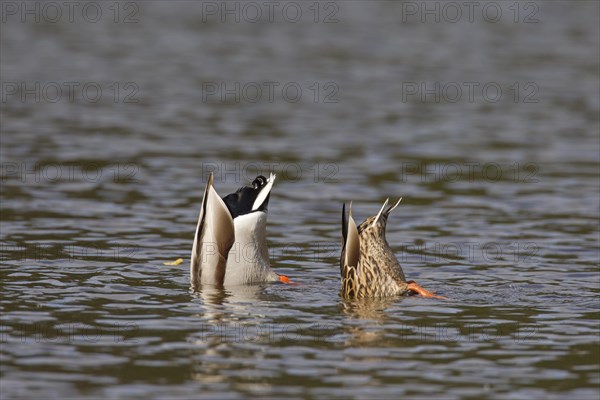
x,y
372,315
368,309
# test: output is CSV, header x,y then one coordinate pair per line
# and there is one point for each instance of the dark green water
x,y
488,128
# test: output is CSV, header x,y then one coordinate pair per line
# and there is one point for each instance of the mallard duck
x,y
368,265
230,245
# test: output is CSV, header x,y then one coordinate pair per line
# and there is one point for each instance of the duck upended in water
x,y
230,246
368,265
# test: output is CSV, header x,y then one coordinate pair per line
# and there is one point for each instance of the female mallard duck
x,y
230,246
368,265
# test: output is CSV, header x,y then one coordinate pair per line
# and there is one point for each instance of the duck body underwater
x,y
230,244
368,265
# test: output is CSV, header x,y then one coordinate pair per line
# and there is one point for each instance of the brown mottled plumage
x,y
368,266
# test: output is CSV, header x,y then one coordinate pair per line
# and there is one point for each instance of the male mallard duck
x,y
368,265
230,246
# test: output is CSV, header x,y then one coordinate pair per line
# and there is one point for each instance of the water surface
x,y
500,211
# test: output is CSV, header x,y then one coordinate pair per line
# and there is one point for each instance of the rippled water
x,y
500,209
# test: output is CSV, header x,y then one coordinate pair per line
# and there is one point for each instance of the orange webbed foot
x,y
285,279
415,287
